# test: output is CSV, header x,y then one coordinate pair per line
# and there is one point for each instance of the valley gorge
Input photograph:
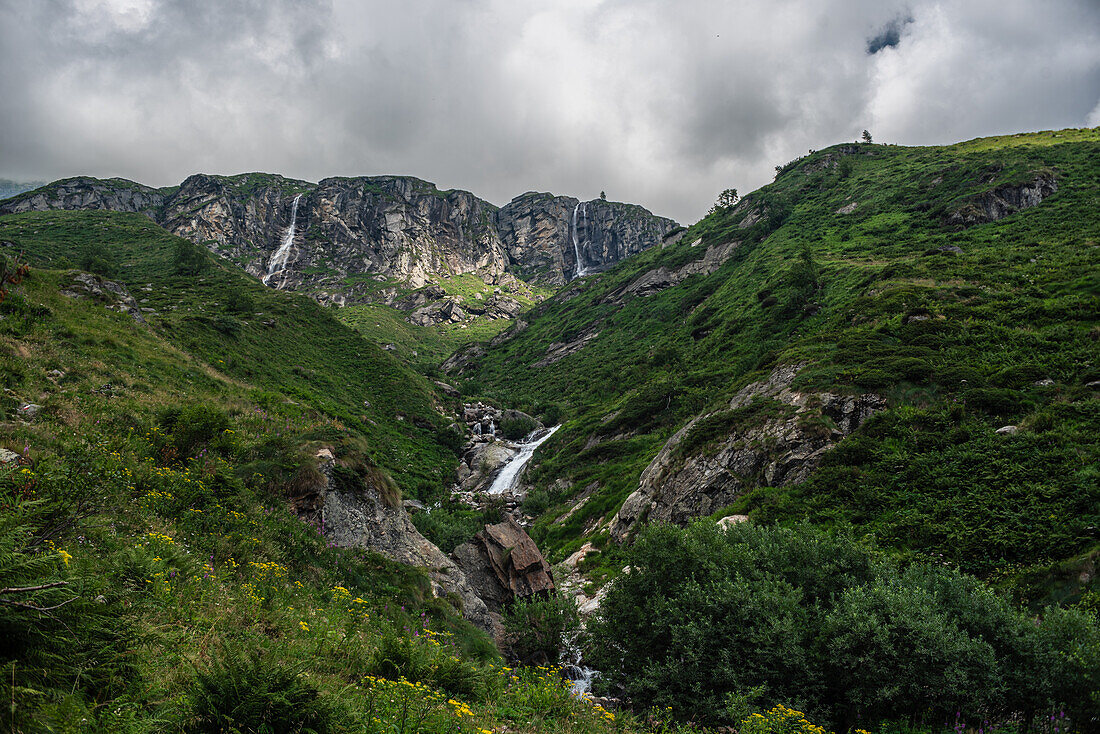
x,y
399,432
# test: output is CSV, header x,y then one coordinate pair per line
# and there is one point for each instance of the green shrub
x,y
189,258
427,659
190,429
227,324
96,258
453,523
821,623
240,301
538,628
246,693
517,427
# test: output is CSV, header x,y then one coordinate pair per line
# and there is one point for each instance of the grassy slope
x,y
1017,306
175,539
276,343
427,346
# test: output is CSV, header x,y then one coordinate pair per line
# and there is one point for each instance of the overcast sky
x,y
660,103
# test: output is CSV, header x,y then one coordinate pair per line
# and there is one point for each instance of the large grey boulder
x,y
502,564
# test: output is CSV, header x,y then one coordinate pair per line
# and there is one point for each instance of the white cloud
x,y
662,103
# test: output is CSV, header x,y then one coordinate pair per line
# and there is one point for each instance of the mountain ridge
x,y
355,234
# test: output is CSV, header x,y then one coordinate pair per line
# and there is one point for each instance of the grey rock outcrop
x,y
362,517
772,443
537,229
112,295
658,279
355,238
239,217
558,351
1004,200
86,193
401,227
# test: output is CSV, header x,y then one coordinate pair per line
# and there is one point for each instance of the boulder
x,y
113,295
504,564
27,411
1007,430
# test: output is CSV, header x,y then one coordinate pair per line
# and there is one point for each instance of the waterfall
x,y
576,243
506,480
575,671
278,261
492,428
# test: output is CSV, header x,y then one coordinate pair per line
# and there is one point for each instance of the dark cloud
x,y
661,103
888,36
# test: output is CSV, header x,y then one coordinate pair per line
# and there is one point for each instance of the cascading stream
x,y
573,669
581,270
278,261
509,474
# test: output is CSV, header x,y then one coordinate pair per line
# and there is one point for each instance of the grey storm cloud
x,y
660,103
889,35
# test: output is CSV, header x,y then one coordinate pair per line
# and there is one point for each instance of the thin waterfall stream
x,y
573,668
277,263
581,270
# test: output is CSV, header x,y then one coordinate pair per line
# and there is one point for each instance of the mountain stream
x,y
278,261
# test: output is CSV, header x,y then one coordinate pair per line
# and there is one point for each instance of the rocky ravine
x,y
499,564
771,435
354,239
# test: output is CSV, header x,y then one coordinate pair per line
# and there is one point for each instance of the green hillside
x,y
153,575
161,411
284,348
852,264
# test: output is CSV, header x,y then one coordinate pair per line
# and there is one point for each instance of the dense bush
x,y
96,258
192,428
517,427
818,622
245,693
453,523
538,628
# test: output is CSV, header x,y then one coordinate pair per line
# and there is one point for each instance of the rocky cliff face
x,y
360,516
362,239
544,235
1003,200
237,217
398,227
771,435
83,192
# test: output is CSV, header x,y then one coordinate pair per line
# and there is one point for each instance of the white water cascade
x,y
581,270
278,261
575,671
509,474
